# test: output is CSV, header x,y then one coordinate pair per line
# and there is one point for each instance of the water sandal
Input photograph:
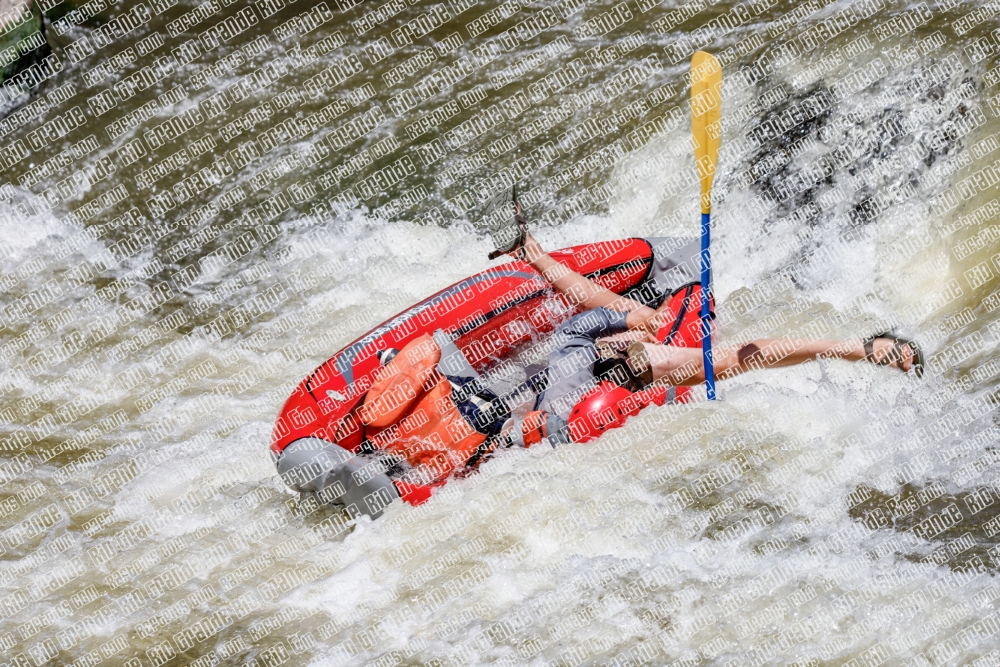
x,y
505,222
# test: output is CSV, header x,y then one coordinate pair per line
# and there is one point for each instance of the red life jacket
x,y
400,382
409,411
682,324
608,406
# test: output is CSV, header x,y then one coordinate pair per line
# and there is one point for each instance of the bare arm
x,y
585,293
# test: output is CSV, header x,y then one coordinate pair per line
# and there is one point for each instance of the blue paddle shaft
x,y
706,290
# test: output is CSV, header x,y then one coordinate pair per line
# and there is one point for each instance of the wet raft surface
x,y
245,207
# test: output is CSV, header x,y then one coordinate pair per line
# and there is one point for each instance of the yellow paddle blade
x,y
706,110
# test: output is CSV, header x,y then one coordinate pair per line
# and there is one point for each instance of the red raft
x,y
489,315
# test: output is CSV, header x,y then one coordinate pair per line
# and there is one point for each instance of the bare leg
x,y
684,366
585,293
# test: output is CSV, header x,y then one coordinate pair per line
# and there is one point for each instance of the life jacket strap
x,y
533,427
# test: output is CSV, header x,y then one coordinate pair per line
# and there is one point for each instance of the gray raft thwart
x,y
22,38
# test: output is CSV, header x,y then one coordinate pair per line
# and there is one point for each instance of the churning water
x,y
827,514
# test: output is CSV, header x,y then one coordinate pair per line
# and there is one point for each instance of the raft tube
x,y
489,315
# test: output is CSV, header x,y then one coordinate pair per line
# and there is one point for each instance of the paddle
x,y
706,107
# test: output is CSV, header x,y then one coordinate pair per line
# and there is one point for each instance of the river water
x,y
233,193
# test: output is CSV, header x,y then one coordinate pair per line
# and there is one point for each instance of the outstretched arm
x,y
684,366
586,293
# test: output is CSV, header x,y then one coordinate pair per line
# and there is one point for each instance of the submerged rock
x,y
22,46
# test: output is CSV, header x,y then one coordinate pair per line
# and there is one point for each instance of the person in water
x,y
661,347
428,415
684,366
